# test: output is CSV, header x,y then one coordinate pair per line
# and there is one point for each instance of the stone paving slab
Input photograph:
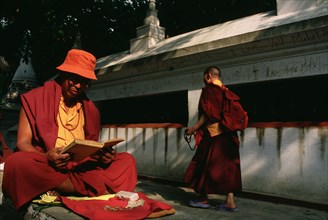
x,y
248,208
179,196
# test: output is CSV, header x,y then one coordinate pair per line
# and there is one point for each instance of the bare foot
x,y
53,193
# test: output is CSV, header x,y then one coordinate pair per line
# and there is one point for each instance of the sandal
x,y
223,207
198,204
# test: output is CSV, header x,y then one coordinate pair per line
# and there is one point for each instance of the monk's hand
x,y
106,155
190,130
57,160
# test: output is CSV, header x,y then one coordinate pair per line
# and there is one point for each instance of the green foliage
x,y
191,15
100,26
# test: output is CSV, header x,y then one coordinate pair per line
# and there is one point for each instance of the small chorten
x,y
23,80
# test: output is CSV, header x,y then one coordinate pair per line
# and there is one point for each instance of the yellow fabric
x,y
161,213
214,128
70,123
48,199
217,82
102,197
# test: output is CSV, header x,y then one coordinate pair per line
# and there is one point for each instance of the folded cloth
x,y
116,208
1,176
46,198
2,166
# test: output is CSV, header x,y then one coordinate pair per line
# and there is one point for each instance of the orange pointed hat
x,y
79,62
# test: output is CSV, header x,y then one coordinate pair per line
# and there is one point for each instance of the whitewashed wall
x,y
245,69
288,162
285,162
159,152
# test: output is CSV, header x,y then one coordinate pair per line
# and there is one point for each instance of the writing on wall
x,y
290,67
315,64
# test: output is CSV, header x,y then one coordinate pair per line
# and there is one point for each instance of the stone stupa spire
x,y
150,33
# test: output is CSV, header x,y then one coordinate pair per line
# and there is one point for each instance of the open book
x,y
80,149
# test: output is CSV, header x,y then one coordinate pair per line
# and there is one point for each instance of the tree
x,y
54,26
192,15
50,28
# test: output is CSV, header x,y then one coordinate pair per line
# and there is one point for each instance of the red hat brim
x,y
79,62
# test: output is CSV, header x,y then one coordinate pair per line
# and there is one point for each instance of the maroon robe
x,y
215,167
4,148
27,174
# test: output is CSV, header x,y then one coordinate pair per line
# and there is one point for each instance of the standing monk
x,y
50,118
215,167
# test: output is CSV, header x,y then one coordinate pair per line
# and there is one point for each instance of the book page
x,y
80,149
112,142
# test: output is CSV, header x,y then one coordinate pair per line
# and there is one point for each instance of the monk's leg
x,y
65,187
120,174
27,175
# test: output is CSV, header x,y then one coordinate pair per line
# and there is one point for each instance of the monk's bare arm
x,y
24,143
202,120
24,134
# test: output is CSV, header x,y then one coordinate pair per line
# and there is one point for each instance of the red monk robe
x,y
28,174
5,151
215,167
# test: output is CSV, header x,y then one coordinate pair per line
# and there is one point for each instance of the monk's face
x,y
73,85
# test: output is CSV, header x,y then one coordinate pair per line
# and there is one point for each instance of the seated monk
x,y
50,118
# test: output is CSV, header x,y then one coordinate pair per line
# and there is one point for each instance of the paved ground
x,y
179,196
248,208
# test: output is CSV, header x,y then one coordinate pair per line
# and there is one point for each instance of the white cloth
x,y
2,166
